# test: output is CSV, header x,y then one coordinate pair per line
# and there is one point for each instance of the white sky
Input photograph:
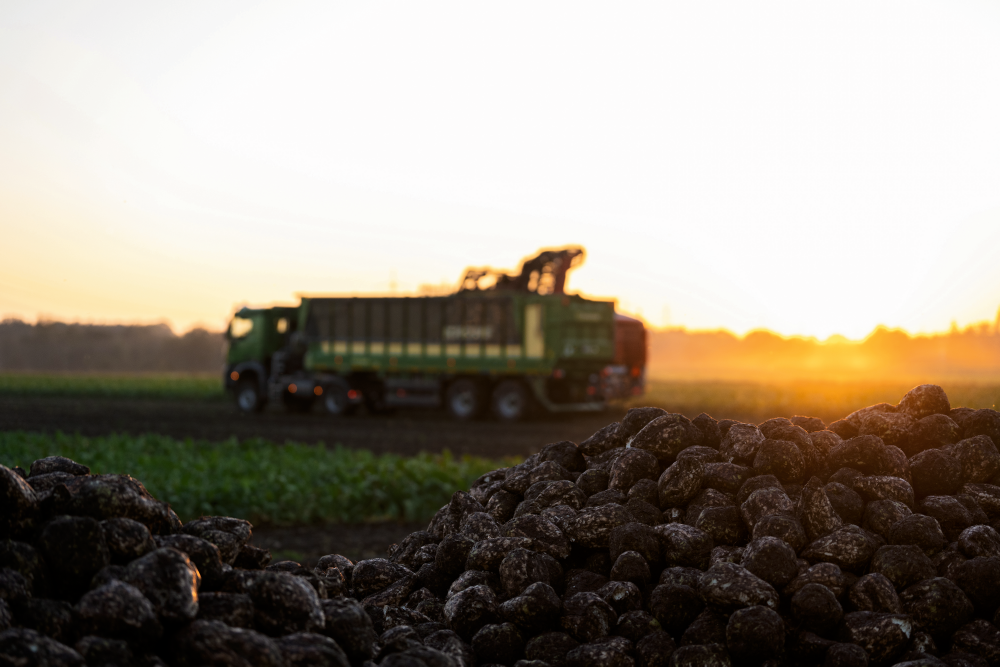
x,y
813,168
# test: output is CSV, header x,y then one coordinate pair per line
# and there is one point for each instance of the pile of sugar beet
x,y
657,541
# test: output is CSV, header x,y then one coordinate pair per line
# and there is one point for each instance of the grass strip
x,y
264,482
199,386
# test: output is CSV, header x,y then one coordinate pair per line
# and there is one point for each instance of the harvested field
x,y
405,433
70,406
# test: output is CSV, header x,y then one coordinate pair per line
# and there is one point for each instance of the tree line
x,y
118,348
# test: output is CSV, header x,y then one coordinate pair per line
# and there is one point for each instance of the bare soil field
x,y
306,544
404,432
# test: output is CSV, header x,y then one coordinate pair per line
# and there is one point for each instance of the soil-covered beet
x,y
659,541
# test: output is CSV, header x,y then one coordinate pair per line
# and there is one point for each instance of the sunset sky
x,y
811,168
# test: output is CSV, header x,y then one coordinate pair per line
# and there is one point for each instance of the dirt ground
x,y
404,432
306,544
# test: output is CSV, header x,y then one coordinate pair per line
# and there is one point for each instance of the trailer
x,y
501,344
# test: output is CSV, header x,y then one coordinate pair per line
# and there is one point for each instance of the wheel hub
x,y
464,403
335,403
248,399
510,405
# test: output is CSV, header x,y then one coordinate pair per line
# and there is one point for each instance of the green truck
x,y
505,344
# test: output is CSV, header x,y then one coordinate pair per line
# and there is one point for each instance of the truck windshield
x,y
240,327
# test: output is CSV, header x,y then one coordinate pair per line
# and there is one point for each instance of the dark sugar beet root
x,y
659,541
754,635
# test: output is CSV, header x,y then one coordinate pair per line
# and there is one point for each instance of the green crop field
x,y
264,482
138,385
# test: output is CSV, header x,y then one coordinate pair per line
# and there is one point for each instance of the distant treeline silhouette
x,y
60,347
971,354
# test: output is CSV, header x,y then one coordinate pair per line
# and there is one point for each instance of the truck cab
x,y
255,336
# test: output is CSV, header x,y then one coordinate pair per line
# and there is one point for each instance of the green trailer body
x,y
504,349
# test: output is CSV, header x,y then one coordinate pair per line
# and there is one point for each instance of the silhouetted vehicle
x,y
501,343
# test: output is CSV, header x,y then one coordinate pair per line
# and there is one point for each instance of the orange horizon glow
x,y
990,327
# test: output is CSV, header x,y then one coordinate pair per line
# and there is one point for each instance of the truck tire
x,y
464,399
249,398
509,402
335,401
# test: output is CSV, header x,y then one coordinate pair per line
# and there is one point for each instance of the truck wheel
x,y
464,400
248,396
335,400
509,402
